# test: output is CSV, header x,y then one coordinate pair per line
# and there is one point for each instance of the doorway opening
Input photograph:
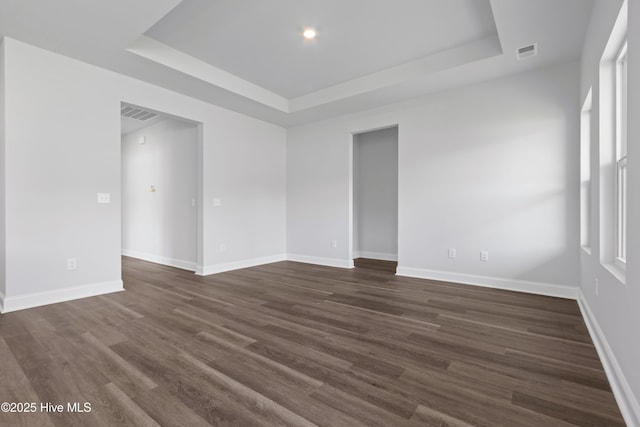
x,y
159,177
375,199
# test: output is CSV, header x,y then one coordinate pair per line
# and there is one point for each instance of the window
x,y
621,156
585,174
612,149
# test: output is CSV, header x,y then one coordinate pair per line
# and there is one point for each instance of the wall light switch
x,y
72,264
334,243
452,253
217,202
104,198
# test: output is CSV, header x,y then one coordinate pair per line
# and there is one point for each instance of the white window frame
x,y
621,214
612,133
621,158
585,173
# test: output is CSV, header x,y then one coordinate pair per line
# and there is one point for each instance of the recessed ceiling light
x,y
309,34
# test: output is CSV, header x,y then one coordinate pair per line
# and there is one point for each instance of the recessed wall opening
x,y
159,160
375,199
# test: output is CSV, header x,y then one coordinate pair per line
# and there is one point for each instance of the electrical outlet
x,y
484,256
452,253
334,243
597,286
72,264
104,198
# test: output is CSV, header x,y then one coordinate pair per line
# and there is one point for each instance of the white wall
x,y
2,181
160,226
375,194
629,299
614,313
492,166
63,146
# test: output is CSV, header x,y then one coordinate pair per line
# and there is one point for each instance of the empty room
x,y
319,213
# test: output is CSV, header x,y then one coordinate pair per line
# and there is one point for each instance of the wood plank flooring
x,y
375,264
301,345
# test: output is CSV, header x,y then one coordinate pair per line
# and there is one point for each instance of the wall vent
x,y
527,51
136,113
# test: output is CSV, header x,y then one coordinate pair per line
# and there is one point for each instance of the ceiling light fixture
x,y
309,34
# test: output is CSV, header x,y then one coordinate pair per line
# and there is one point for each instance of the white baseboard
x,y
376,255
22,302
171,262
627,401
236,265
539,288
327,262
1,302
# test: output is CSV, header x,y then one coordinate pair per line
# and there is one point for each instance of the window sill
x,y
619,273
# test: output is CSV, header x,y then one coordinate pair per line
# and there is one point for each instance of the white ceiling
x,y
261,41
249,56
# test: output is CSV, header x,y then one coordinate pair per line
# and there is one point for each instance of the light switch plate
x,y
217,202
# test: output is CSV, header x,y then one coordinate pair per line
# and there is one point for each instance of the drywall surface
x,y
614,308
490,167
159,193
375,194
60,152
2,180
63,147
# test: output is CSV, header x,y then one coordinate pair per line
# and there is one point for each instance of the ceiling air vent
x,y
136,113
527,51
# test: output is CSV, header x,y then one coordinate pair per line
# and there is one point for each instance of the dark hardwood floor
x,y
301,345
376,264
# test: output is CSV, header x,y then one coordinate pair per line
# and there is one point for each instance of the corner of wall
x,y
207,270
327,262
612,316
626,399
37,299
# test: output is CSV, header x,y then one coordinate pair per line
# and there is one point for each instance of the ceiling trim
x,y
446,59
162,54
